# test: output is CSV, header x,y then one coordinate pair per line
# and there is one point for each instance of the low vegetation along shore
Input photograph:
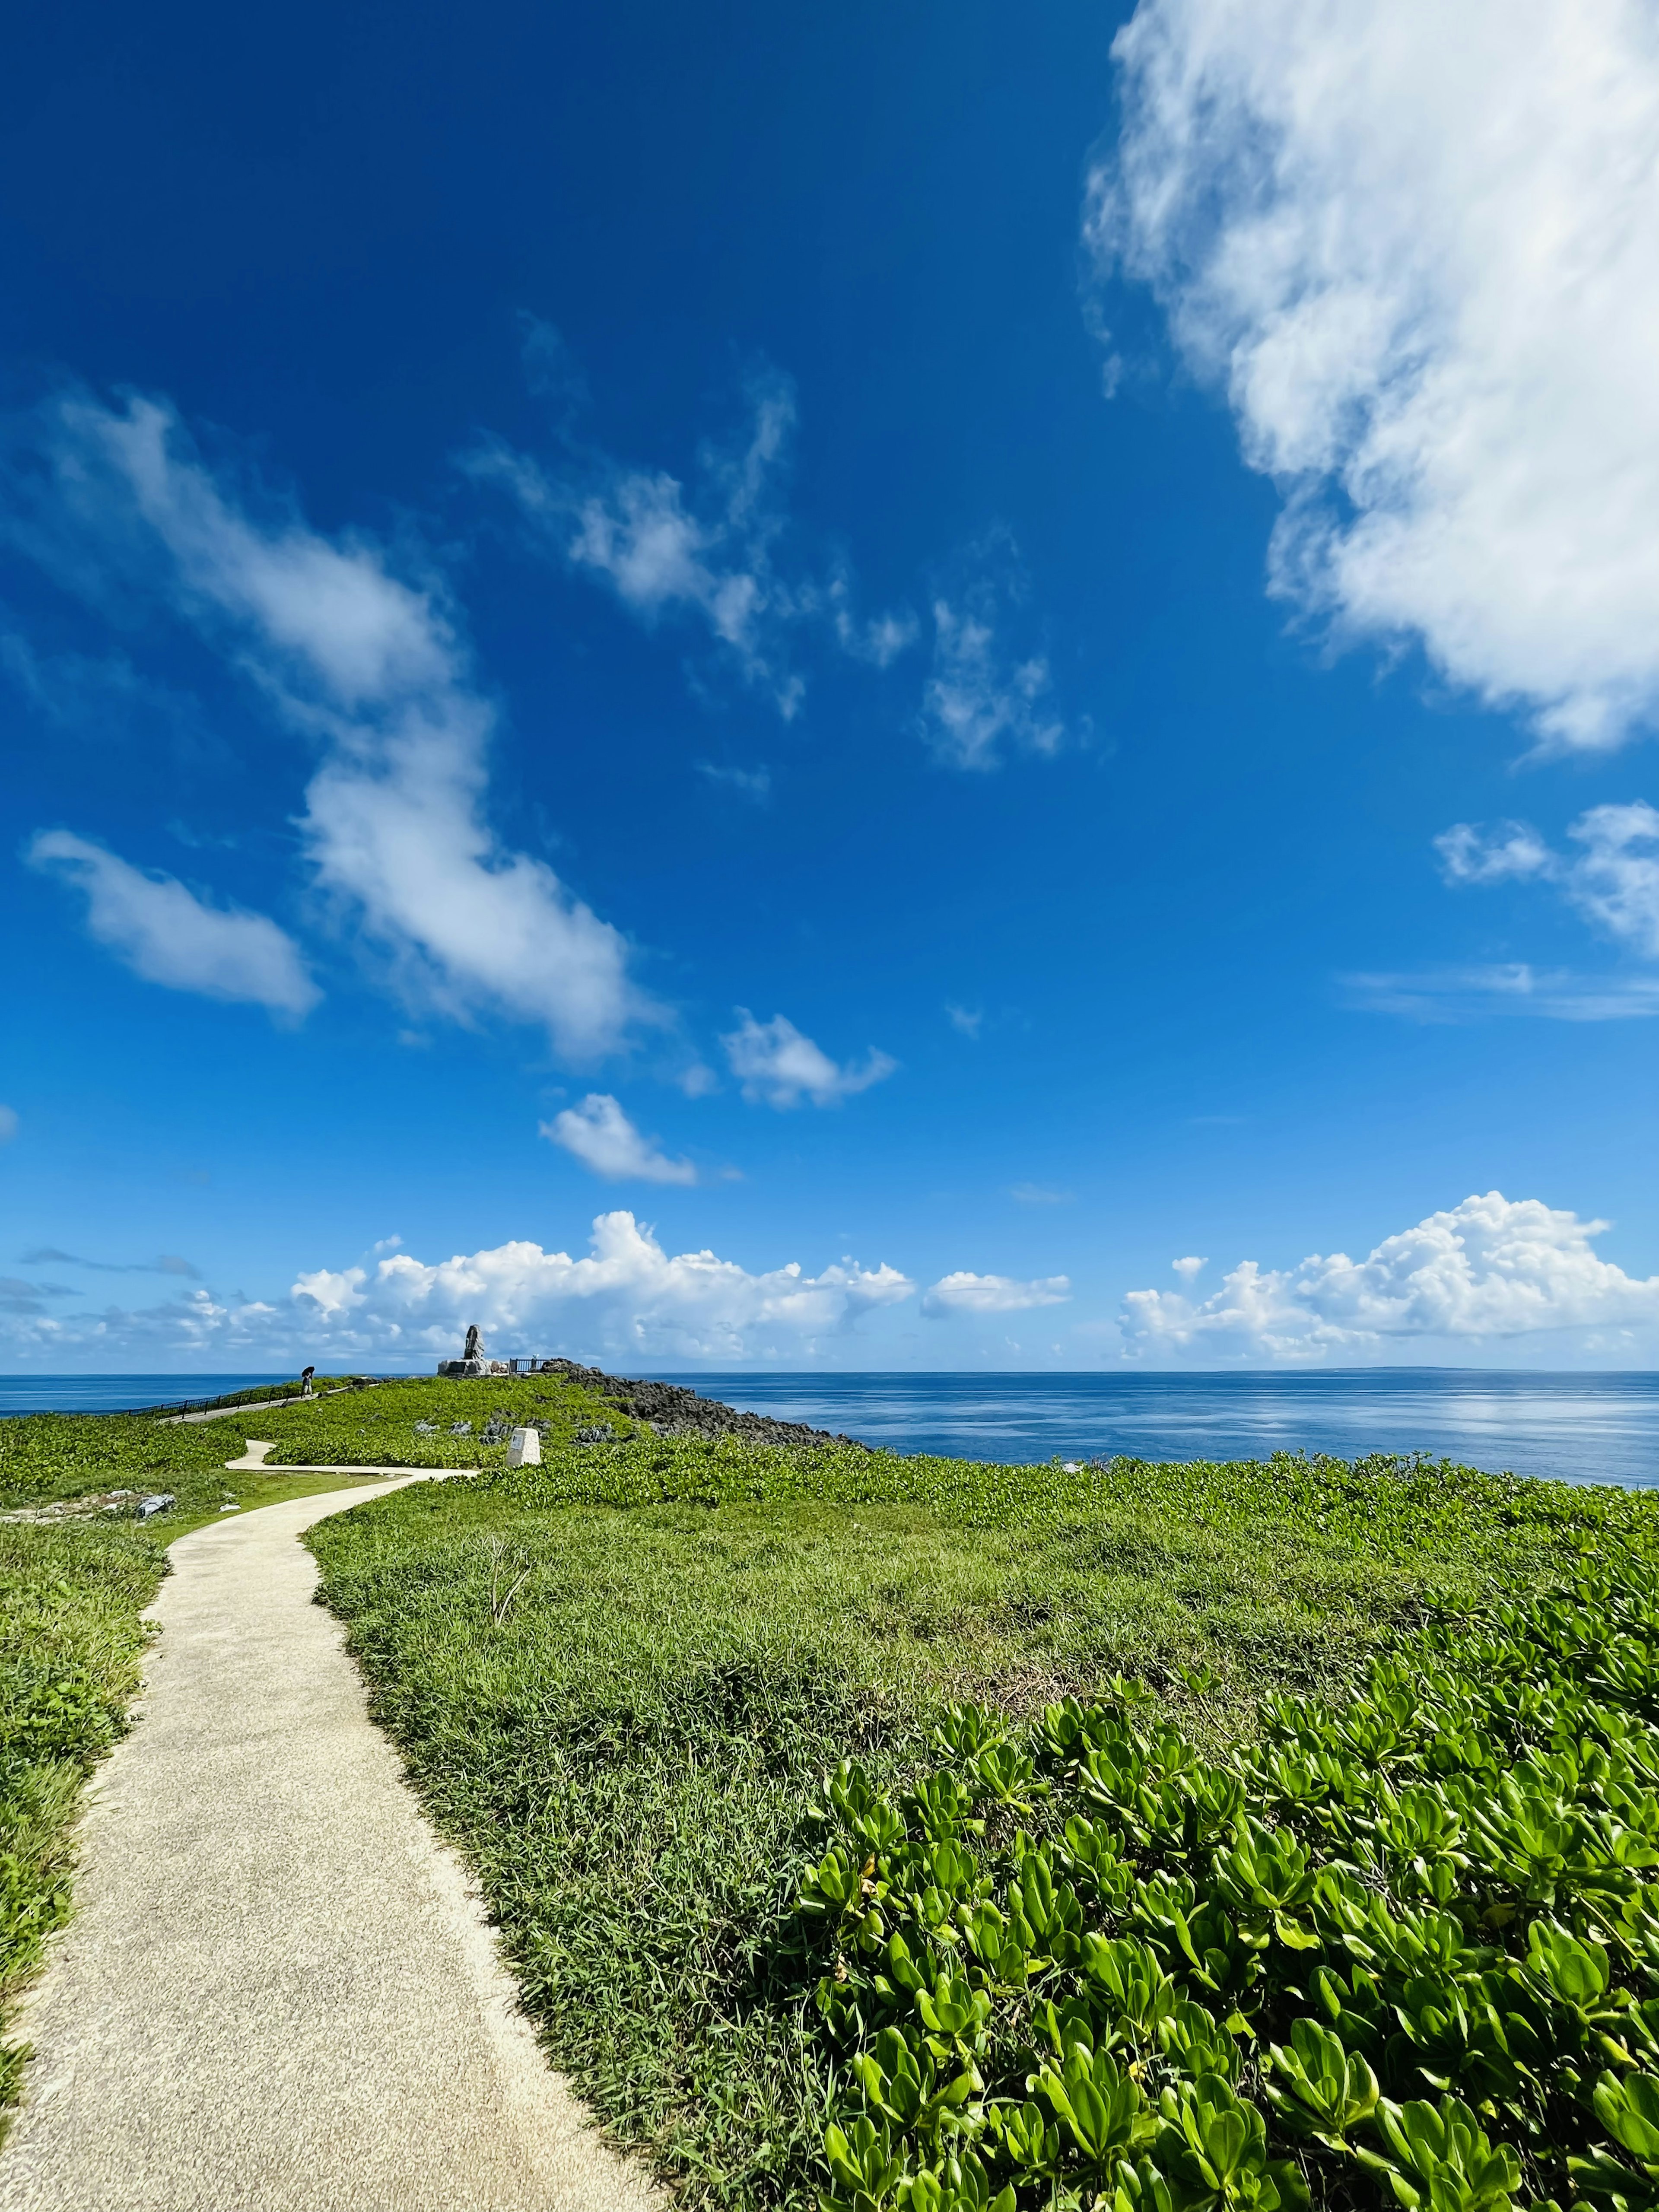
x,y
908,1833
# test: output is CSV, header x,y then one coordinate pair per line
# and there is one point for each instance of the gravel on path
x,y
279,1992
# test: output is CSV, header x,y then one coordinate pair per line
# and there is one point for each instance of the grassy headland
x,y
620,1680
1027,1837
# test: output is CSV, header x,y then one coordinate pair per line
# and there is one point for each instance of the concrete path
x,y
278,1993
253,1460
259,1405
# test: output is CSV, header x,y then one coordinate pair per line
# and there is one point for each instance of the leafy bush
x,y
630,1752
1402,1948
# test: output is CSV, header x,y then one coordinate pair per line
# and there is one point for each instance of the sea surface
x,y
1578,1427
116,1393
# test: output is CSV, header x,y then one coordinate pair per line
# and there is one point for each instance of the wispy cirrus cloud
x,y
18,1295
987,696
1489,1269
169,1263
754,784
364,664
1425,271
599,1134
778,1065
1040,1194
163,932
1476,991
707,550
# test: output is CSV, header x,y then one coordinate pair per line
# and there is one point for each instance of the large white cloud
x,y
624,1299
167,935
1419,251
1489,1268
368,667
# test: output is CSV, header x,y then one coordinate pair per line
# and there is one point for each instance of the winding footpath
x,y
279,1992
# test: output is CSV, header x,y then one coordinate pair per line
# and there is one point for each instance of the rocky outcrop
x,y
673,1410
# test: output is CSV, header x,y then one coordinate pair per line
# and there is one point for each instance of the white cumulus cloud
x,y
601,1136
165,933
1489,1269
623,1300
1420,255
964,1293
777,1065
365,666
624,1294
1511,852
1612,879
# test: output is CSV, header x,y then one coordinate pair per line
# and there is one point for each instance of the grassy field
x,y
931,1837
620,1680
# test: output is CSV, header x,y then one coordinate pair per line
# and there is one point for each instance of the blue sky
x,y
970,654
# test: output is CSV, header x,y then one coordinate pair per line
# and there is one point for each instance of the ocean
x,y
1578,1427
116,1393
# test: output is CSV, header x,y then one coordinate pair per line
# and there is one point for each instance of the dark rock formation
x,y
673,1410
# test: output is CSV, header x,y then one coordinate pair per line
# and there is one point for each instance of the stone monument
x,y
472,1361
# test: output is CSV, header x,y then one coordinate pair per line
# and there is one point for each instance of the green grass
x,y
72,1592
620,1679
71,1643
380,1424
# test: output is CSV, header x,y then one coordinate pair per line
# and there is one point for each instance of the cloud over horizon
x,y
1425,271
1489,1268
625,1298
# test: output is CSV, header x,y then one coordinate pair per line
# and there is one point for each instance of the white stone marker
x,y
524,1447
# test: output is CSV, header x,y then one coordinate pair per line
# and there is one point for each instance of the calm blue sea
x,y
1582,1428
115,1394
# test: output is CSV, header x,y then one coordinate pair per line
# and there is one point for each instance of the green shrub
x,y
1404,1948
